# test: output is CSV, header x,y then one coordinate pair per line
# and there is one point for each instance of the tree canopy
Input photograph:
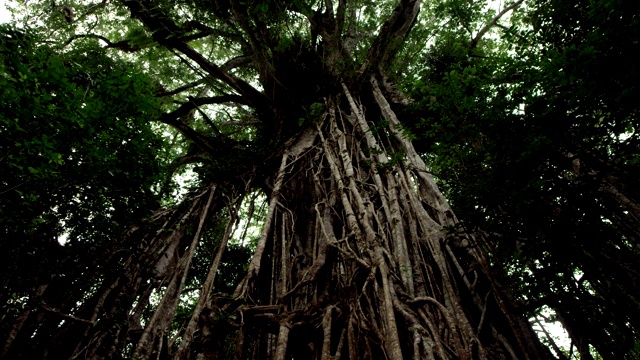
x,y
320,179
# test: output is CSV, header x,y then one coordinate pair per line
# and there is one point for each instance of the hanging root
x,y
355,242
353,259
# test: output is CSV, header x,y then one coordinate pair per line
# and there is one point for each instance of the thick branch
x,y
167,33
392,35
236,62
256,33
187,131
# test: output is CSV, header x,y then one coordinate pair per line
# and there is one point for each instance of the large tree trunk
x,y
358,258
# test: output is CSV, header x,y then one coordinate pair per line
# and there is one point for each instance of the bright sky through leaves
x,y
5,15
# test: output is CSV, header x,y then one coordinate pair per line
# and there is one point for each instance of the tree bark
x,y
368,227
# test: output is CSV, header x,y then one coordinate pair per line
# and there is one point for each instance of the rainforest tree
x,y
297,102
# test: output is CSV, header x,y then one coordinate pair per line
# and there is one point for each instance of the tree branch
x,y
181,88
229,65
196,36
191,25
120,45
241,123
168,34
54,311
256,35
200,140
236,62
91,9
211,124
493,23
193,103
392,35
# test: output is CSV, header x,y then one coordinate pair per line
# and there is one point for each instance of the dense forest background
x,y
203,178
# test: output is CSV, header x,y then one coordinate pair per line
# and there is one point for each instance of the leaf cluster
x,y
79,156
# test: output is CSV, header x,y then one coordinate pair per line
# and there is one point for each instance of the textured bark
x,y
355,241
355,260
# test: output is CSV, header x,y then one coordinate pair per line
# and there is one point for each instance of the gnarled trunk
x,y
356,259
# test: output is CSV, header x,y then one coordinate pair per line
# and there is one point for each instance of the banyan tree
x,y
359,254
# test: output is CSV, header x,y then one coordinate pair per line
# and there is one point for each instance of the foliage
x,y
78,144
532,142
